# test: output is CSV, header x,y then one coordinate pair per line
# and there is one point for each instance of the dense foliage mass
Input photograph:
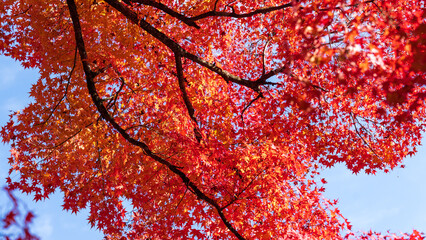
x,y
211,119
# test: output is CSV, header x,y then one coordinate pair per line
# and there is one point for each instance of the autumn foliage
x,y
212,119
15,219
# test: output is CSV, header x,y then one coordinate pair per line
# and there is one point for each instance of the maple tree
x,y
211,119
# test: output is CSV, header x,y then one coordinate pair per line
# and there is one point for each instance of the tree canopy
x,y
212,119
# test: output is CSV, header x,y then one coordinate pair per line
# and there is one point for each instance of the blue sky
x,y
395,201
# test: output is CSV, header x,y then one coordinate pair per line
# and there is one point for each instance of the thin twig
x,y
248,105
361,137
66,91
180,201
232,14
169,11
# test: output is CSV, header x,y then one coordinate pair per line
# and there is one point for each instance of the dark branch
x,y
183,196
181,80
114,98
188,104
232,14
90,75
79,38
263,78
237,195
248,105
350,5
190,21
169,11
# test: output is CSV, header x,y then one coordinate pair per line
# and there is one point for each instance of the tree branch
x,y
168,10
248,105
232,14
361,137
188,104
66,91
190,21
90,75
